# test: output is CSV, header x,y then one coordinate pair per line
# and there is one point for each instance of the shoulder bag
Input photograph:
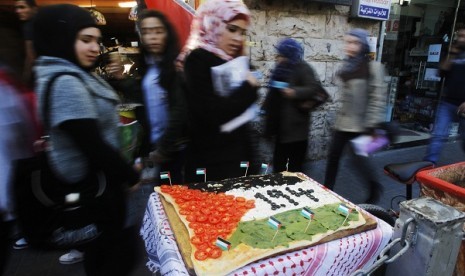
x,y
52,213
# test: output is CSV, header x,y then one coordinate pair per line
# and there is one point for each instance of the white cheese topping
x,y
263,209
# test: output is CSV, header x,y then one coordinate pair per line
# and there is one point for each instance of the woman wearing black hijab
x,y
83,127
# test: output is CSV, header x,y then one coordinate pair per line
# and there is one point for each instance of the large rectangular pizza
x,y
231,223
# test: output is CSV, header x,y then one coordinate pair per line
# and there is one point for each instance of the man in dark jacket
x,y
452,105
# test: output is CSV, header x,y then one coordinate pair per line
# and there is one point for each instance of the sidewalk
x,y
348,183
29,262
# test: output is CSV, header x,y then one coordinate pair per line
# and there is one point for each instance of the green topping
x,y
259,234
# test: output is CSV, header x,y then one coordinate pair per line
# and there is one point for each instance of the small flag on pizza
x,y
307,213
165,175
201,171
264,166
343,209
244,164
223,244
274,223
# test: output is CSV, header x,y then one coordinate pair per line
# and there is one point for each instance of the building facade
x,y
320,27
411,42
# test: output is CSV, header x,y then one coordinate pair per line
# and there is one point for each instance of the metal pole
x,y
382,34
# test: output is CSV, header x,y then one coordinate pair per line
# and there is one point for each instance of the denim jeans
x,y
446,114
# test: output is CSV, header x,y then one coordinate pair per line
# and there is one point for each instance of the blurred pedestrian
x,y
221,26
363,109
451,107
163,114
11,55
293,85
17,128
26,9
83,128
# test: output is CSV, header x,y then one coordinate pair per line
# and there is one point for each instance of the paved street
x,y
29,262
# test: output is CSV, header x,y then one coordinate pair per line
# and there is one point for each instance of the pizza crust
x,y
244,254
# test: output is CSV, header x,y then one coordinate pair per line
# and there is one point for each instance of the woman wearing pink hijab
x,y
218,36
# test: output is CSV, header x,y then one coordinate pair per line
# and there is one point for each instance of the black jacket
x,y
286,119
176,134
208,111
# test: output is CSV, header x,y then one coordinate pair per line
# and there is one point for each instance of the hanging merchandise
x,y
133,13
98,16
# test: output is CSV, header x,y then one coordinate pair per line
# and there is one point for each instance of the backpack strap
x,y
46,102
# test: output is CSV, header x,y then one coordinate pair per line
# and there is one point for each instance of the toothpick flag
x,y
245,164
223,244
165,175
265,166
307,213
201,171
343,209
274,223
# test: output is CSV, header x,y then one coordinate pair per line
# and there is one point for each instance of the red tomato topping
x,y
225,219
197,240
213,220
191,218
205,211
166,189
199,231
184,212
202,218
200,255
240,199
215,253
250,204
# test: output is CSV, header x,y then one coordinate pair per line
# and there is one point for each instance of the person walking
x,y
163,114
451,106
220,27
287,116
83,128
26,9
17,128
363,109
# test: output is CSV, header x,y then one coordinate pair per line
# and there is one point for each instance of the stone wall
x,y
320,28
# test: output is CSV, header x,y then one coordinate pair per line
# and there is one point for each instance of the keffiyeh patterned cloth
x,y
159,241
339,257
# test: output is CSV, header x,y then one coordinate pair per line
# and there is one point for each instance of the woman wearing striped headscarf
x,y
217,36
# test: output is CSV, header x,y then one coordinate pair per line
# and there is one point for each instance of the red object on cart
x,y
447,184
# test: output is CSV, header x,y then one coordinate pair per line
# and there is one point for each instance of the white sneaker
x,y
20,244
72,257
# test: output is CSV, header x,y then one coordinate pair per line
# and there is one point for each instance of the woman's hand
x,y
252,80
288,93
115,69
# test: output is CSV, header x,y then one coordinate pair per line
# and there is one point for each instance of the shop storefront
x,y
417,38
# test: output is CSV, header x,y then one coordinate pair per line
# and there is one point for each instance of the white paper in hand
x,y
365,145
230,75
